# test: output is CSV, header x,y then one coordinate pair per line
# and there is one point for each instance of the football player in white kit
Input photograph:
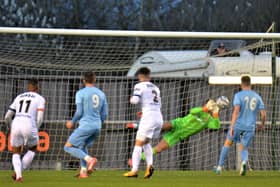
x,y
148,95
27,110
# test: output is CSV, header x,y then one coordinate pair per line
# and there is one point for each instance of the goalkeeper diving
x,y
197,120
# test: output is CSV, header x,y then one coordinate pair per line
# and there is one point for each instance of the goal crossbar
x,y
154,34
57,58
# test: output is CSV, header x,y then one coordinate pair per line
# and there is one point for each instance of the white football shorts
x,y
24,132
150,125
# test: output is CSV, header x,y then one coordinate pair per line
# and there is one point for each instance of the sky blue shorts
x,y
241,136
83,137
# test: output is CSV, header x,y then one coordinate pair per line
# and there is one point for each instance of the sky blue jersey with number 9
x,y
93,104
250,103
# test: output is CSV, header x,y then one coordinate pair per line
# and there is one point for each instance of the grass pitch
x,y
160,179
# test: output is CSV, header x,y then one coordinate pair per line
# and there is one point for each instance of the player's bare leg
x,y
166,126
17,164
161,146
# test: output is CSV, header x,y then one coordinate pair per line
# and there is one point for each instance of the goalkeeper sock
x,y
75,152
154,151
143,157
143,154
136,157
27,159
148,151
223,155
17,165
244,155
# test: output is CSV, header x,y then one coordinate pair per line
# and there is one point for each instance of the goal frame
x,y
148,34
154,34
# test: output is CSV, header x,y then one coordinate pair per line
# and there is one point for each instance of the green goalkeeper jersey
x,y
194,122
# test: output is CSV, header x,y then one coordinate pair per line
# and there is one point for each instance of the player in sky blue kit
x,y
247,104
91,111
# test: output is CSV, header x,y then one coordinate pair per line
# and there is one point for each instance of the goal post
x,y
182,65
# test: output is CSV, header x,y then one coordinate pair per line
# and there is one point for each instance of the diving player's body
x,y
197,120
247,104
179,129
91,111
27,110
148,95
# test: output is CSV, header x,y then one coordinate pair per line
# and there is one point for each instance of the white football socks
x,y
17,165
136,157
148,151
27,159
83,170
87,158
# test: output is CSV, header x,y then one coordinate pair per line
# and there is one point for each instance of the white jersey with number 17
x,y
26,105
149,95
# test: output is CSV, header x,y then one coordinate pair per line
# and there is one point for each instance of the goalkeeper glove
x,y
215,111
211,105
132,125
139,115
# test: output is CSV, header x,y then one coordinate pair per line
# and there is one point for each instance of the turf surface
x,y
160,179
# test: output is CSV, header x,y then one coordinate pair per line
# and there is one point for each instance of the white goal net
x,y
181,66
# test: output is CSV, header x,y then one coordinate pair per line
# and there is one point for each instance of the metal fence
x,y
113,148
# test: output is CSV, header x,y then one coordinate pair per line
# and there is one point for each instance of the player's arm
x,y
235,113
10,113
234,116
210,106
78,113
104,110
214,123
136,97
263,114
40,113
263,118
197,110
9,116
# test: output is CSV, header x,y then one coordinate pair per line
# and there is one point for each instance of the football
x,y
222,102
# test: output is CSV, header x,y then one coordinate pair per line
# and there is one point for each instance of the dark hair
x,y
206,101
246,80
33,82
89,77
143,71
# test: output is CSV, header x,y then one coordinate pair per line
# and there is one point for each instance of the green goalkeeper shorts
x,y
178,131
